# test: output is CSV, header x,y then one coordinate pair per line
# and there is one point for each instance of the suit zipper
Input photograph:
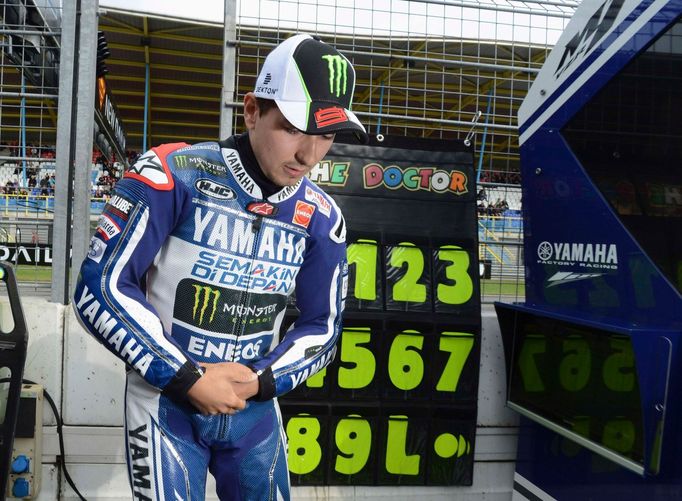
x,y
244,295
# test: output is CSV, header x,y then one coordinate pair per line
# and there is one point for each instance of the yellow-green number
x,y
362,373
448,445
397,461
575,367
405,364
533,344
581,426
457,271
619,435
316,380
363,254
619,367
354,441
459,345
407,288
304,450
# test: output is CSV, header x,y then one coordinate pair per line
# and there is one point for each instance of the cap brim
x,y
322,118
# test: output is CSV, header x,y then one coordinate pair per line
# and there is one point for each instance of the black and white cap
x,y
312,84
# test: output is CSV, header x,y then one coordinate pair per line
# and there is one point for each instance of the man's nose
x,y
308,148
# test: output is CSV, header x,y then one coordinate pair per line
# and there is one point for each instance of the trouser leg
x,y
165,462
252,465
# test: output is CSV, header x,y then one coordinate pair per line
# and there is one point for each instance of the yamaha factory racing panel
x,y
398,404
592,354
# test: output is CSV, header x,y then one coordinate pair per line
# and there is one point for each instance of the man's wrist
x,y
184,379
266,384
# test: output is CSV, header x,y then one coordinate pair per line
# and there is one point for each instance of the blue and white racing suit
x,y
189,263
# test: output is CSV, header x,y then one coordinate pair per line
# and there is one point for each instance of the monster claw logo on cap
x,y
338,73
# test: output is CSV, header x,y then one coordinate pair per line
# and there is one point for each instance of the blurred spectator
x,y
45,185
498,177
40,178
132,156
492,209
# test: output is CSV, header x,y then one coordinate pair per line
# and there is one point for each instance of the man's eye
x,y
329,137
292,130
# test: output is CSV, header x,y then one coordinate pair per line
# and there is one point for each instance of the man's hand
x,y
223,389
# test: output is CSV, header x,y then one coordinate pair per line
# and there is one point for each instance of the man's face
x,y
284,153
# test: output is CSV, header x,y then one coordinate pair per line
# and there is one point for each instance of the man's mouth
x,y
296,171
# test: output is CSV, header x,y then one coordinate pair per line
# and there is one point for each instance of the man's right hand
x,y
214,393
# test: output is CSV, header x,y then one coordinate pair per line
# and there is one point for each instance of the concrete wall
x,y
87,385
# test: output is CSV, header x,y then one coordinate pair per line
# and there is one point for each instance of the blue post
x,y
485,133
146,106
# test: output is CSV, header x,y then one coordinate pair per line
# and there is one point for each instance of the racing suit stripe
x,y
150,329
110,302
284,451
296,356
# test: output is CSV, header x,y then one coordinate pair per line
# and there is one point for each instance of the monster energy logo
x,y
338,73
202,302
181,160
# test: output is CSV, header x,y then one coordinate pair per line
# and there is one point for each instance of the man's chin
x,y
290,181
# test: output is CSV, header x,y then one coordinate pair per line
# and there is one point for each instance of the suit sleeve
x,y
109,298
310,343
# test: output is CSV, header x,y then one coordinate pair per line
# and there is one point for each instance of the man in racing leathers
x,y
189,273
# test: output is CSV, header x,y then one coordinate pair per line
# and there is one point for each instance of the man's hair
x,y
265,105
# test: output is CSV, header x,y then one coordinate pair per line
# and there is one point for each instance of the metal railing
x,y
500,243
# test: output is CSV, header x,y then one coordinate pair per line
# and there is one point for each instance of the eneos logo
x,y
303,213
414,178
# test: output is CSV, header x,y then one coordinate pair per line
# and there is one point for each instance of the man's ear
x,y
251,110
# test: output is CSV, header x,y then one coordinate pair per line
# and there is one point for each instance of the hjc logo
x,y
214,190
205,303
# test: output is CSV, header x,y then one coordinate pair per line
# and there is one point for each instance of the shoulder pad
x,y
152,169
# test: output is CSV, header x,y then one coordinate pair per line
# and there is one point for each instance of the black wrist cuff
x,y
266,385
177,388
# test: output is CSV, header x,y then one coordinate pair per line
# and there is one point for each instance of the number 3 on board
x,y
462,289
